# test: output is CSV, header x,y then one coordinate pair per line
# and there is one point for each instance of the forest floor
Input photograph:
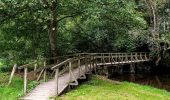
x,y
15,90
103,89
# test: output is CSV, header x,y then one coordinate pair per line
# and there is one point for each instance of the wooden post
x,y
86,65
56,78
141,56
118,58
25,80
90,64
121,57
111,59
79,67
35,68
132,68
12,74
146,57
103,59
45,63
45,71
126,58
93,62
136,56
131,57
70,70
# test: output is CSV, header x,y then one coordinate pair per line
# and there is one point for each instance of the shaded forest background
x,y
34,29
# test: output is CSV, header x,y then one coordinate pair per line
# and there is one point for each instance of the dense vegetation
x,y
32,29
102,89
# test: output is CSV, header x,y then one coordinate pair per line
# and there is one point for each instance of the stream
x,y
161,81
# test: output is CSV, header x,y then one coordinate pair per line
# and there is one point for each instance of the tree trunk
x,y
53,29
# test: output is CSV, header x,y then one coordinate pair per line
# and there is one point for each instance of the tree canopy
x,y
32,29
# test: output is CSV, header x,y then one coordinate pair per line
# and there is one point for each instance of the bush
x,y
4,68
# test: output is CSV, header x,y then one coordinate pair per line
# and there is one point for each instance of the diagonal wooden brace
x,y
73,80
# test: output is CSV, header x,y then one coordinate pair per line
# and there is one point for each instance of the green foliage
x,y
83,26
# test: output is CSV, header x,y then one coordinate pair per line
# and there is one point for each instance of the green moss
x,y
102,89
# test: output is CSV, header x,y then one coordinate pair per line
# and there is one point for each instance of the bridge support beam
x,y
132,68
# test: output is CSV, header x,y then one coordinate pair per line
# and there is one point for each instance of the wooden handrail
x,y
60,64
26,65
73,55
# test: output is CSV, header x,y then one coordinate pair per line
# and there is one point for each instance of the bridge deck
x,y
48,89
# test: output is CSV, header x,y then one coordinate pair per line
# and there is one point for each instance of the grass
x,y
15,90
103,89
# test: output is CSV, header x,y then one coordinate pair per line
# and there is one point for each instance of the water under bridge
x,y
68,69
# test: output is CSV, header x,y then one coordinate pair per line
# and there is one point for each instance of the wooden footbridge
x,y
68,69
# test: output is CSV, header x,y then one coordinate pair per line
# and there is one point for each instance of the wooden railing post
x,y
35,68
90,63
56,78
141,56
136,56
102,59
126,58
25,80
131,57
86,65
111,58
45,71
44,63
12,74
79,66
121,57
94,59
146,56
70,70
